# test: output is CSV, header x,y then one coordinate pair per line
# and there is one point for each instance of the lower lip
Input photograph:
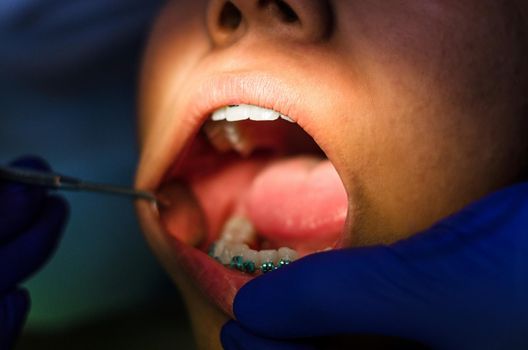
x,y
218,283
213,279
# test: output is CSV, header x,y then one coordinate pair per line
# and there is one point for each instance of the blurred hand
x,y
462,284
30,225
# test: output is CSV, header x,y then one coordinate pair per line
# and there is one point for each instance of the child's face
x,y
419,105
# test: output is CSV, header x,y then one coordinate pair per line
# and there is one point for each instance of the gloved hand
x,y
462,284
30,226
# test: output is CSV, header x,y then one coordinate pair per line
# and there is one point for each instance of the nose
x,y
299,20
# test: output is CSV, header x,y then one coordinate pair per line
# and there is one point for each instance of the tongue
x,y
300,202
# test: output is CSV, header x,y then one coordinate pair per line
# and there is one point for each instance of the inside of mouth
x,y
267,193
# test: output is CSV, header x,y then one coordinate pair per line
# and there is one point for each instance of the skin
x,y
429,96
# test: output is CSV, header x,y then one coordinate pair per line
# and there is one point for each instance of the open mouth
x,y
259,187
267,192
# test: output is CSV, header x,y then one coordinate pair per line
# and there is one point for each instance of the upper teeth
x,y
243,112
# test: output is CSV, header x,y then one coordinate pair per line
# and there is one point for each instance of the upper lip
x,y
193,106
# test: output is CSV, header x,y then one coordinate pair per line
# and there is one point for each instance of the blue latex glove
x,y
462,284
30,226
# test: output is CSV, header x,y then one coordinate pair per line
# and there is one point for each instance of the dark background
x,y
67,93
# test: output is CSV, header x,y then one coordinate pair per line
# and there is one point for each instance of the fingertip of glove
x,y
229,329
18,202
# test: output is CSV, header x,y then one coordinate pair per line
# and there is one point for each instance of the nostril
x,y
302,20
284,11
230,17
287,13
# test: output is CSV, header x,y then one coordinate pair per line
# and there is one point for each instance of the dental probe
x,y
68,183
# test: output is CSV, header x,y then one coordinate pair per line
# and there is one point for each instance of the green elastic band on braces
x,y
249,266
237,262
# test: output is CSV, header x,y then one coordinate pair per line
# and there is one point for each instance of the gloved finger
x,y
417,289
24,255
20,204
234,337
13,312
330,293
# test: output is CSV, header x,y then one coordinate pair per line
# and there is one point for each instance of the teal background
x,y
102,263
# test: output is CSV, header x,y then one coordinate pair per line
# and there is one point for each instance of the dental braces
x,y
248,266
232,249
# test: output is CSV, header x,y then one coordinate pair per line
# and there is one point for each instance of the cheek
x,y
206,320
461,48
432,135
177,42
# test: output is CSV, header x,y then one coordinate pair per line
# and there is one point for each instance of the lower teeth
x,y
231,249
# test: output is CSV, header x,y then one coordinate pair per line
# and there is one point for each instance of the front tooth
x,y
262,114
288,119
219,114
237,113
244,111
